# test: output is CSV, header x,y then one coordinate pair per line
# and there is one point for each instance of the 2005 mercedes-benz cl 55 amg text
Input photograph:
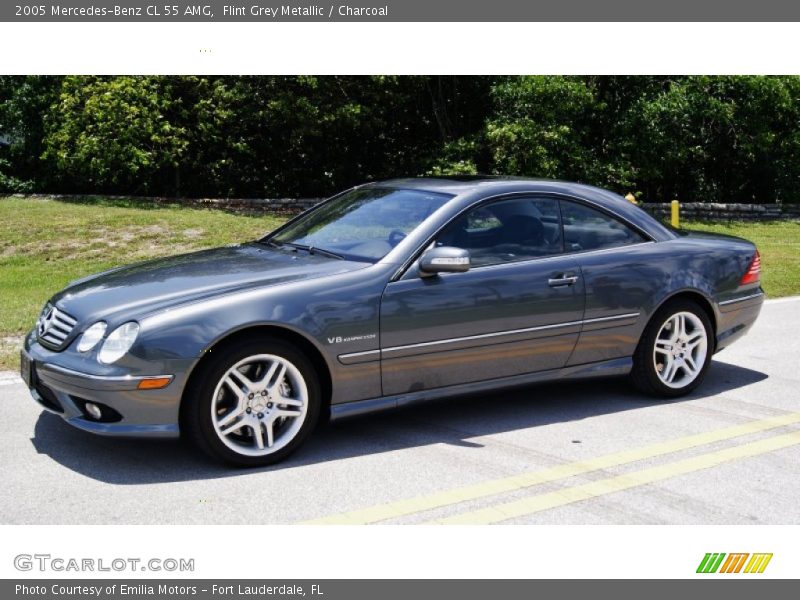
x,y
387,294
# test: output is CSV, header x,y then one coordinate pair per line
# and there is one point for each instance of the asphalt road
x,y
584,452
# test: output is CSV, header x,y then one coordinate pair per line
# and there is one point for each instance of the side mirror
x,y
444,259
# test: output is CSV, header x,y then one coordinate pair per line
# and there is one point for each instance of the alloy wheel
x,y
680,350
260,405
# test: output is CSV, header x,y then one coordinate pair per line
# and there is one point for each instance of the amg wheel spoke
x,y
681,326
670,370
234,387
277,379
230,417
244,380
673,326
663,346
282,412
270,433
695,339
270,374
235,427
284,401
258,436
690,365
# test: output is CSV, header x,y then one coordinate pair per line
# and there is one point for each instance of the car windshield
x,y
363,224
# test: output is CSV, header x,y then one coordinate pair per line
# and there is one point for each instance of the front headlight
x,y
91,336
118,343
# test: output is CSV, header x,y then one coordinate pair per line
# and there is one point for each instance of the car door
x,y
618,266
516,311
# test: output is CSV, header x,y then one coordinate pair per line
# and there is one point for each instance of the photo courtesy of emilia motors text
x,y
399,299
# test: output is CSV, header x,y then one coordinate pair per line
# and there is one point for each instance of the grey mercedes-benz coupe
x,y
387,294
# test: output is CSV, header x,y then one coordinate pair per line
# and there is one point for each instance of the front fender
x,y
337,314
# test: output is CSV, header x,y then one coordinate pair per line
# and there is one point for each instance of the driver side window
x,y
507,231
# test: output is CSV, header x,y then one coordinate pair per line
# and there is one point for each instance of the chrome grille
x,y
54,327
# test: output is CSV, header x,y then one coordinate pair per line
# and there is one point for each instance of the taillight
x,y
753,274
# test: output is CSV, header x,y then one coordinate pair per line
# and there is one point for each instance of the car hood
x,y
157,284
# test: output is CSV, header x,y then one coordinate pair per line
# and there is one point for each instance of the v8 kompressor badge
x,y
353,338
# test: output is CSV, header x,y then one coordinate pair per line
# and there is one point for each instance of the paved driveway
x,y
584,452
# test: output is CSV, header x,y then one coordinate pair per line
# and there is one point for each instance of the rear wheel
x,y
254,405
675,350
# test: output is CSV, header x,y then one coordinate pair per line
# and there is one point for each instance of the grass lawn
x,y
46,243
779,245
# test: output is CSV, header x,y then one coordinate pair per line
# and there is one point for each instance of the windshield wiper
x,y
310,249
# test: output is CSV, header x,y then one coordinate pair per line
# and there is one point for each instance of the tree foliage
x,y
700,138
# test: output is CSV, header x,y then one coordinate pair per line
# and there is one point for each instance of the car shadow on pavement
x,y
453,421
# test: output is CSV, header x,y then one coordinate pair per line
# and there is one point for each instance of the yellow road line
x,y
534,504
419,504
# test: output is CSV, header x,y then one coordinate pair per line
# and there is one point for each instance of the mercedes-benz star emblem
x,y
46,321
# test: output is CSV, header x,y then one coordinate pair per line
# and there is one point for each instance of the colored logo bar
x,y
737,562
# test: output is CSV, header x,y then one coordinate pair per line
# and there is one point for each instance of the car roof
x,y
494,184
475,187
452,184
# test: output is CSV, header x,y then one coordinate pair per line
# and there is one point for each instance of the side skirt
x,y
606,368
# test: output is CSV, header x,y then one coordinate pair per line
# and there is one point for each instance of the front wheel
x,y
253,405
675,351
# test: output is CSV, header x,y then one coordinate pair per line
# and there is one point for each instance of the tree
x,y
718,139
541,127
24,101
728,138
112,133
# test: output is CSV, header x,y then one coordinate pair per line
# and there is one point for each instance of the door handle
x,y
562,280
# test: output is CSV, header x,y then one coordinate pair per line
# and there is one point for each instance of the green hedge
x,y
703,138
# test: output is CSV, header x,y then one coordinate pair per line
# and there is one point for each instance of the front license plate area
x,y
26,368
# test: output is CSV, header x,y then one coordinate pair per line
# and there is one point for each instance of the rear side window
x,y
588,229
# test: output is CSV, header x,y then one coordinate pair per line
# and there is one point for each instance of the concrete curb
x,y
9,378
781,300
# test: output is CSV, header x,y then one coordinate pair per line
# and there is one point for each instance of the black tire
x,y
644,375
196,420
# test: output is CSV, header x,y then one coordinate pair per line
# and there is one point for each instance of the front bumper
x,y
127,410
